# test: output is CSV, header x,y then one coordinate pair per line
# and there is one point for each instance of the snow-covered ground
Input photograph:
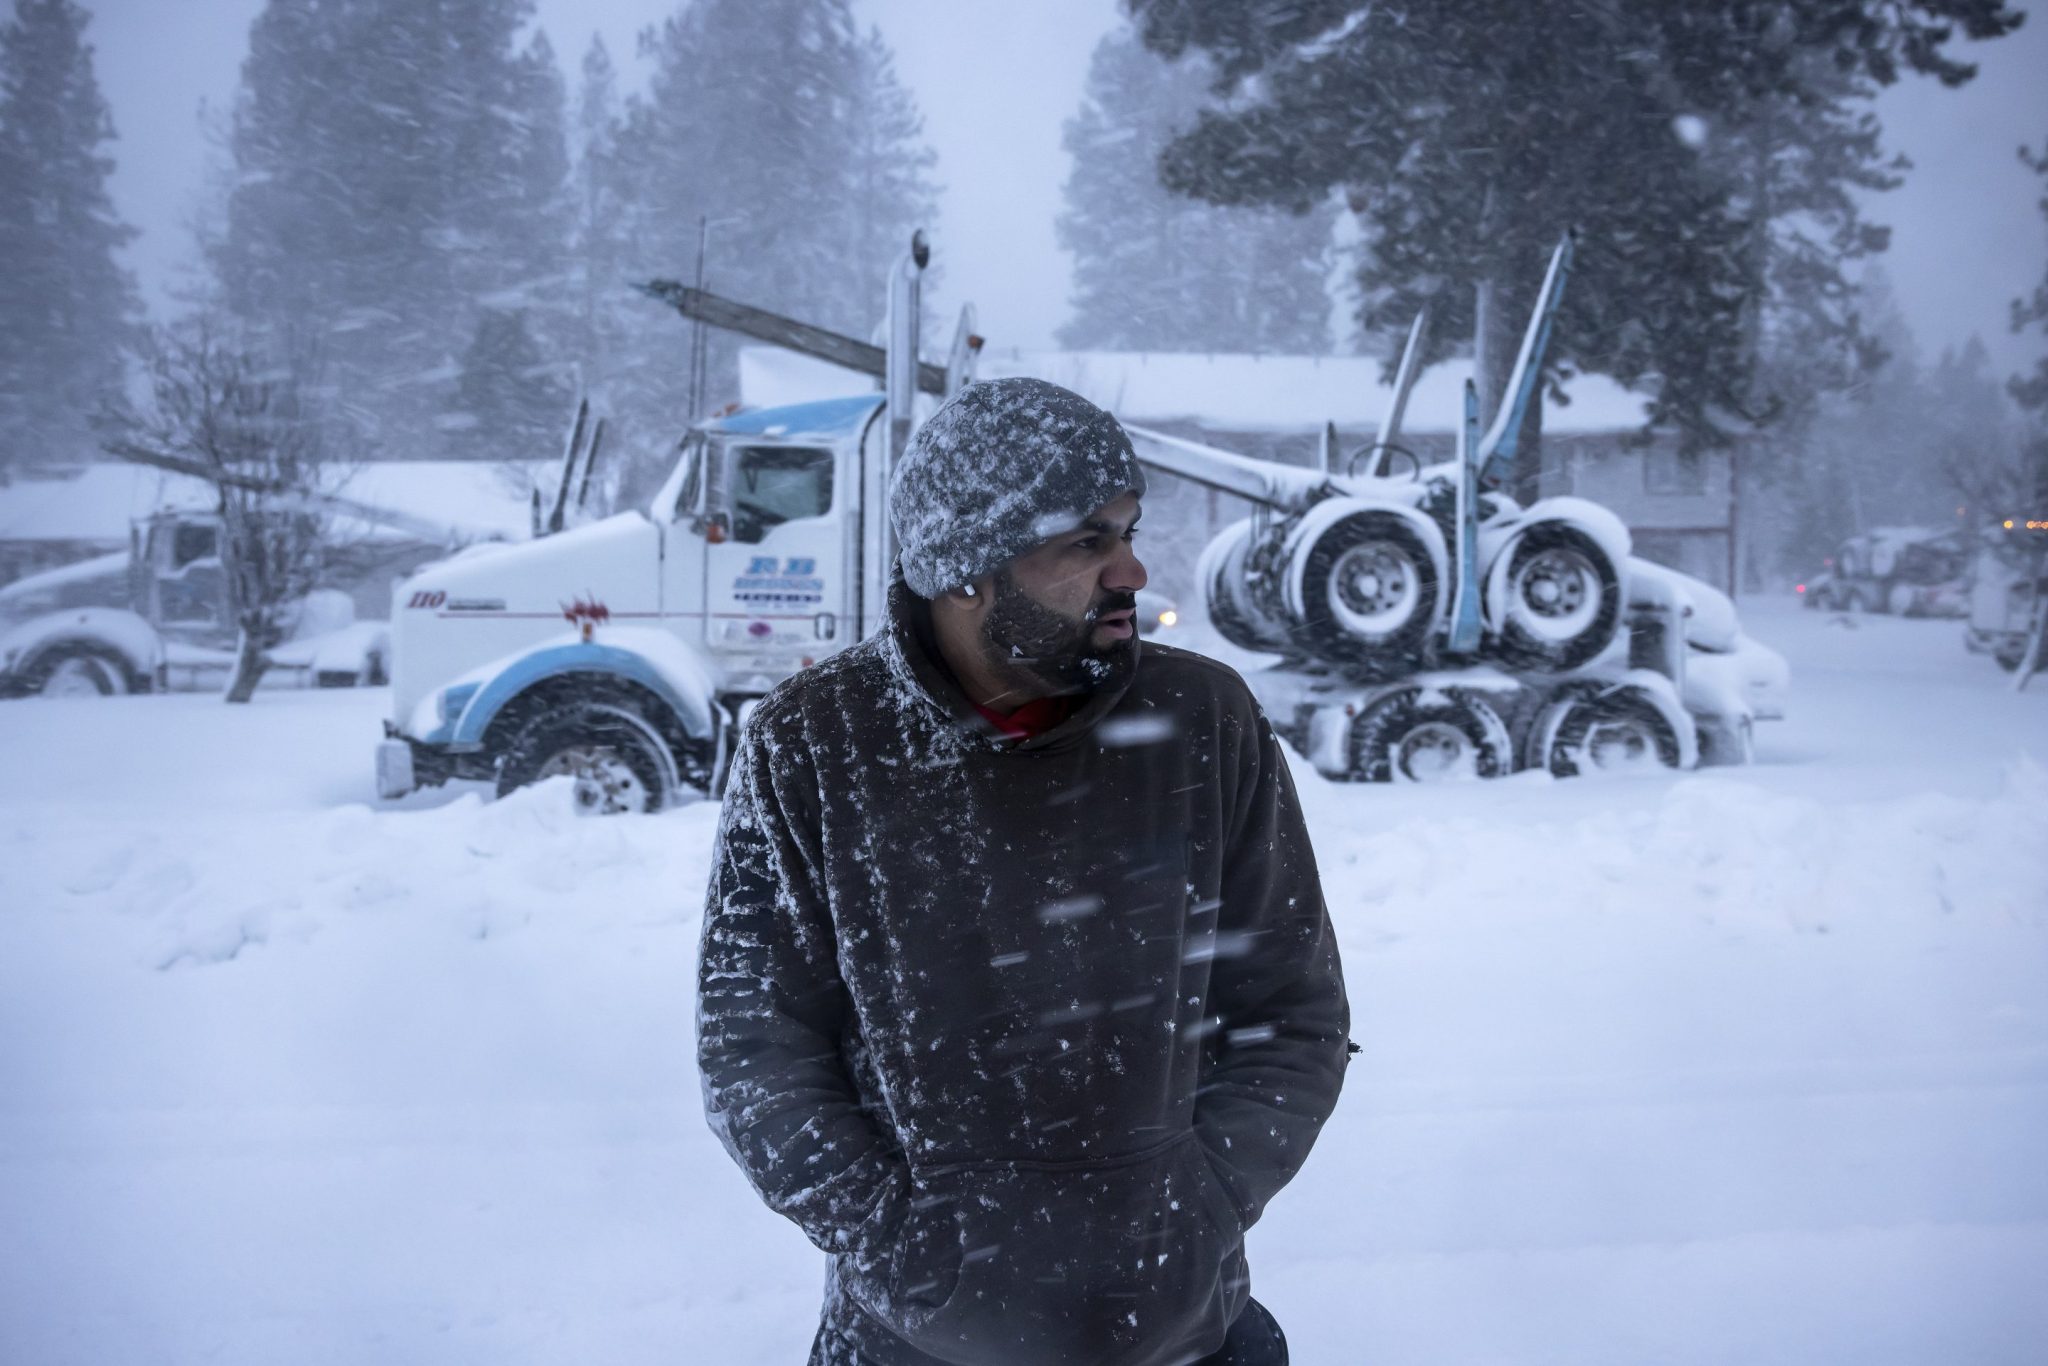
x,y
1746,1066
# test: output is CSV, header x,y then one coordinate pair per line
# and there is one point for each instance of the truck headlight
x,y
454,701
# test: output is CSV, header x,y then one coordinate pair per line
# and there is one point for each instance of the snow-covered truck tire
x,y
1595,729
617,759
1224,577
1554,602
624,746
1363,593
1424,735
77,671
1726,741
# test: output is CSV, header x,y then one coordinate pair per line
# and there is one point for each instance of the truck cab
x,y
622,653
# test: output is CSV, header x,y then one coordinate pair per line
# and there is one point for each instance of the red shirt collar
x,y
1035,717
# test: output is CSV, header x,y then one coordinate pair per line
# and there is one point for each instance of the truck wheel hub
x,y
1373,587
1556,594
1619,745
72,678
1434,751
605,783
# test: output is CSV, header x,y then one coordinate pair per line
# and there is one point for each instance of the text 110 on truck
x,y
1416,624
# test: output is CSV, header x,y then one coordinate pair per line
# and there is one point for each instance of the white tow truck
x,y
1419,626
156,618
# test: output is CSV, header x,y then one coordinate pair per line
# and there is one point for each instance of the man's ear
x,y
971,599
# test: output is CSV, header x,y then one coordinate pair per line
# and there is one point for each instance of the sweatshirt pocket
x,y
1121,1263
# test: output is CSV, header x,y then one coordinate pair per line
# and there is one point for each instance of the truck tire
x,y
1559,603
1726,743
1369,595
619,761
1224,579
77,671
1423,736
1603,730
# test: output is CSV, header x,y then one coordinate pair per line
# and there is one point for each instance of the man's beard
x,y
1023,636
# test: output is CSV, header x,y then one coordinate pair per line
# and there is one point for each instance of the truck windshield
x,y
776,484
192,543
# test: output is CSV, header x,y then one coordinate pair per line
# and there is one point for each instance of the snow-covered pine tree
x,y
68,311
753,118
1157,271
510,401
890,190
2031,313
601,301
2022,481
539,194
517,374
1468,137
385,156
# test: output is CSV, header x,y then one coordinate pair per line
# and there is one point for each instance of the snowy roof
x,y
89,502
475,500
1230,392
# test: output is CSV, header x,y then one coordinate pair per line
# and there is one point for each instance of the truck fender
x,y
1323,515
112,631
653,660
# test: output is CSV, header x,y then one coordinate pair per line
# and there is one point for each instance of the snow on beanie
x,y
1007,464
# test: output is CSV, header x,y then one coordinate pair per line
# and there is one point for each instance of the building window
x,y
1667,471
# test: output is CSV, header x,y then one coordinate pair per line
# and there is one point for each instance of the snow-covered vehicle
x,y
2006,605
1426,627
1156,612
1907,571
155,618
624,652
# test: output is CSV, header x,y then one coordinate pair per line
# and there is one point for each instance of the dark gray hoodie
x,y
1024,1034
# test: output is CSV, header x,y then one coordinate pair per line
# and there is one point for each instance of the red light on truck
x,y
1800,589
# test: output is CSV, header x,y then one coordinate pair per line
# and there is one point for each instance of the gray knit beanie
x,y
1005,465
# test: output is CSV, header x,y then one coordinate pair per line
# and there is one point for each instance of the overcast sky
x,y
997,78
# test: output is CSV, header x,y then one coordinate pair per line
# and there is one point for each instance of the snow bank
x,y
1743,1066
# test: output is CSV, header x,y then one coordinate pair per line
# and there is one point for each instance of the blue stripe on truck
x,y
553,662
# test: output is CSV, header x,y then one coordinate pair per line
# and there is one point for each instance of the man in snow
x,y
1017,991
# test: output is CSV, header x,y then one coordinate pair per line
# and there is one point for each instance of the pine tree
x,y
2020,482
397,167
1468,137
509,401
535,232
601,301
68,311
777,122
888,175
2031,313
1157,271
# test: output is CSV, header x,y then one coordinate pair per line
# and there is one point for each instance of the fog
x,y
995,81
